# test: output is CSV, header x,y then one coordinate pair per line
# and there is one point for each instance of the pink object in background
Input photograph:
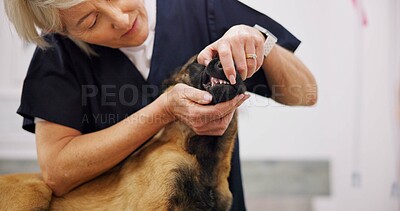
x,y
358,5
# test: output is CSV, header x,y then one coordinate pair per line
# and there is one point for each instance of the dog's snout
x,y
218,66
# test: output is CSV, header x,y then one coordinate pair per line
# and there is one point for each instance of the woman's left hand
x,y
234,49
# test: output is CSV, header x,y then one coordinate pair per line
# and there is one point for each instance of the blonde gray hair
x,y
33,19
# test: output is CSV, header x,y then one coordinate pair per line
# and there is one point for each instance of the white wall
x,y
353,125
14,61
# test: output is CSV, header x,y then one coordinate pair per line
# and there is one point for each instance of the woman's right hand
x,y
189,105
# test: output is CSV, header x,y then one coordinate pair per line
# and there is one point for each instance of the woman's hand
x,y
233,48
188,104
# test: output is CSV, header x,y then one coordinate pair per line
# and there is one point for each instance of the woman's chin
x,y
135,41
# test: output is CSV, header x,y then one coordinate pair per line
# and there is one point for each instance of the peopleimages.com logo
x,y
131,95
126,95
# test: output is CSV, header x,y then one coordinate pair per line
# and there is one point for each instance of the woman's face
x,y
111,23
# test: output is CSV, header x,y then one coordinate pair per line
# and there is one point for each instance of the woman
x,y
92,94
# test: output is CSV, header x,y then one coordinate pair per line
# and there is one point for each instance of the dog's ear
x,y
194,69
170,81
180,73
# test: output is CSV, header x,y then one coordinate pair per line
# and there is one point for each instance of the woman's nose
x,y
119,20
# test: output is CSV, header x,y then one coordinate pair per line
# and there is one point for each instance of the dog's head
x,y
210,78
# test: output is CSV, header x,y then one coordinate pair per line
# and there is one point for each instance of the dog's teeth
x,y
221,81
215,81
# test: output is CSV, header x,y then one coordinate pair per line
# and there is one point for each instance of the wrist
x,y
269,39
165,107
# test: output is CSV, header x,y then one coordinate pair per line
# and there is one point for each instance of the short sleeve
x,y
223,14
51,90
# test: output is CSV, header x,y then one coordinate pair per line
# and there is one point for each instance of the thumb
x,y
207,54
197,95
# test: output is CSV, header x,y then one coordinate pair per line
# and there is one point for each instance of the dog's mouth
x,y
209,81
214,81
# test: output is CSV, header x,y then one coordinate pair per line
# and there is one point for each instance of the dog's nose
x,y
218,66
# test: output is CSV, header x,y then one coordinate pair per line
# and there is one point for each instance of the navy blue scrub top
x,y
89,93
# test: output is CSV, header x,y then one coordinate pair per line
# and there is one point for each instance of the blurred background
x,y
341,154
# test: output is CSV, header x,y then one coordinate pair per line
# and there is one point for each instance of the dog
x,y
174,170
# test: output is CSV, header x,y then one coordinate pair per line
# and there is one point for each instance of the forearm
x,y
74,160
290,80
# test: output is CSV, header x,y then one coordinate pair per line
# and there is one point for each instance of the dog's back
x,y
24,192
170,173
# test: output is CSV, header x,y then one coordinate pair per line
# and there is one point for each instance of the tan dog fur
x,y
146,180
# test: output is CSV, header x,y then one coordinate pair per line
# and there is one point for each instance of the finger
x,y
196,95
200,116
251,62
222,109
216,127
225,56
234,103
247,96
207,54
213,112
239,55
214,124
222,124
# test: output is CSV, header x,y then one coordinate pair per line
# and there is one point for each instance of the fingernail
x,y
232,79
241,96
207,97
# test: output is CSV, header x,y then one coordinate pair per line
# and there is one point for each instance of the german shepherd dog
x,y
175,170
